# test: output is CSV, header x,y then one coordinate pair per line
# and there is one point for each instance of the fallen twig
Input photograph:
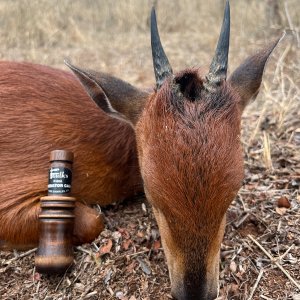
x,y
286,252
83,250
256,284
265,297
21,255
241,220
274,260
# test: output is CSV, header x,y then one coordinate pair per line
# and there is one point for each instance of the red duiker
x,y
188,139
43,109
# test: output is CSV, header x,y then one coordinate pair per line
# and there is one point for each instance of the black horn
x,y
161,65
218,67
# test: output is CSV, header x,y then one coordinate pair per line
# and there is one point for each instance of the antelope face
x,y
191,163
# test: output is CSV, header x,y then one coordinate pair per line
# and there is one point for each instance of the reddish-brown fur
x,y
191,162
43,109
191,143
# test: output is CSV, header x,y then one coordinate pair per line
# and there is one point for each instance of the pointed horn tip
x,y
276,42
227,8
67,62
219,64
283,35
153,15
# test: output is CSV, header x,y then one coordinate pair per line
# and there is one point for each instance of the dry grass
x,y
113,36
45,31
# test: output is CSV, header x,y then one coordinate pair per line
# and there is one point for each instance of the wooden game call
x,y
56,219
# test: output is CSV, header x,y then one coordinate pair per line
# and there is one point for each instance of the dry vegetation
x,y
126,261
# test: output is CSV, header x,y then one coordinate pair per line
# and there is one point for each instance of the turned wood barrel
x,y
56,219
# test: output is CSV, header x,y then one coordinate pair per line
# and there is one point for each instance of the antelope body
x,y
43,109
189,154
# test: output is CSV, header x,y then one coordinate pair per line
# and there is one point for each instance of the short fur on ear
x,y
114,96
246,79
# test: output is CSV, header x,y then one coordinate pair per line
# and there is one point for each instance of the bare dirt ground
x,y
260,254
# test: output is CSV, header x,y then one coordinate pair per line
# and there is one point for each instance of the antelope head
x,y
188,140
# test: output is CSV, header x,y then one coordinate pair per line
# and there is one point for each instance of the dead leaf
x,y
233,267
283,202
146,269
281,210
124,232
108,276
131,267
140,234
79,287
120,295
116,236
106,248
234,289
126,244
156,245
37,276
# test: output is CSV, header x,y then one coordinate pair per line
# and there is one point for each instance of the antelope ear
x,y
114,96
246,79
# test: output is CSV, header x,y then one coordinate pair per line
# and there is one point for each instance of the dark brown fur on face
x,y
43,109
